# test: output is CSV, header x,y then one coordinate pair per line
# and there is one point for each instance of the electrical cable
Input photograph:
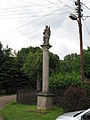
x,y
64,4
86,6
25,27
86,28
54,23
38,18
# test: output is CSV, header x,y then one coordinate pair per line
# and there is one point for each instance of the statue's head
x,y
46,26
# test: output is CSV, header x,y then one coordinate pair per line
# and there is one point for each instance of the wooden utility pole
x,y
78,4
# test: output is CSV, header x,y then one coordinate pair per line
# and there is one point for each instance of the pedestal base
x,y
44,101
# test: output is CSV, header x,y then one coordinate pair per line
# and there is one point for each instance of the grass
x,y
15,111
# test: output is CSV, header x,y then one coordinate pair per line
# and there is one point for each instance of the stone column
x,y
45,98
45,87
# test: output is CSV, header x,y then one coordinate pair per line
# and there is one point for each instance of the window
x,y
86,116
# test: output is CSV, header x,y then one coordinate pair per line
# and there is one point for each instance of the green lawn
x,y
15,111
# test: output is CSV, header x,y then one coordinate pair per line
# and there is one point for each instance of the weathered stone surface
x,y
45,100
45,87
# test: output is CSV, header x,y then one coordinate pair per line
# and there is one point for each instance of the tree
x,y
71,63
32,63
2,60
87,62
53,63
11,77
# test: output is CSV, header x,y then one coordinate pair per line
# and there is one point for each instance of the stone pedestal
x,y
44,101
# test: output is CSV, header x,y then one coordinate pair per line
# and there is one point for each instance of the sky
x,y
22,23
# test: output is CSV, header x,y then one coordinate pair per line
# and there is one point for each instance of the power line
x,y
25,6
18,12
38,19
54,23
58,21
28,13
86,6
87,2
25,25
64,4
19,7
86,28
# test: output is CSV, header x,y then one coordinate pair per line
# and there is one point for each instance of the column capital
x,y
46,46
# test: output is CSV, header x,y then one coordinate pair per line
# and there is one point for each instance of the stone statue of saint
x,y
46,33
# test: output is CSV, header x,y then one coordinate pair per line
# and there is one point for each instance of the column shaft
x,y
45,69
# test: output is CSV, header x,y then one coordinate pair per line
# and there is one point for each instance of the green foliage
x,y
72,63
87,62
53,63
32,63
16,111
22,70
64,80
10,75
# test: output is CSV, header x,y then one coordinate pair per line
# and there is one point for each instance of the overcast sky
x,y
22,23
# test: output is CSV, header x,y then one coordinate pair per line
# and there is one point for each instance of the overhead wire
x,y
38,19
64,4
31,21
25,26
16,12
20,12
35,20
59,21
86,6
87,2
21,7
37,30
86,28
25,6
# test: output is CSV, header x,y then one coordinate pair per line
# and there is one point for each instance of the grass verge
x,y
15,111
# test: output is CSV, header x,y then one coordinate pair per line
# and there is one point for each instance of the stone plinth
x,y
44,101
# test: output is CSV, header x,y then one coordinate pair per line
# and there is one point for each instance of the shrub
x,y
87,88
60,80
74,98
58,96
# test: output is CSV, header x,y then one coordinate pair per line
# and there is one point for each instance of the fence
x,y
27,96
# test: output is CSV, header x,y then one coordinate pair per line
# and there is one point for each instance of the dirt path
x,y
4,100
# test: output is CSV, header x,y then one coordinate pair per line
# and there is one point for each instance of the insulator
x,y
76,10
76,3
81,9
81,15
